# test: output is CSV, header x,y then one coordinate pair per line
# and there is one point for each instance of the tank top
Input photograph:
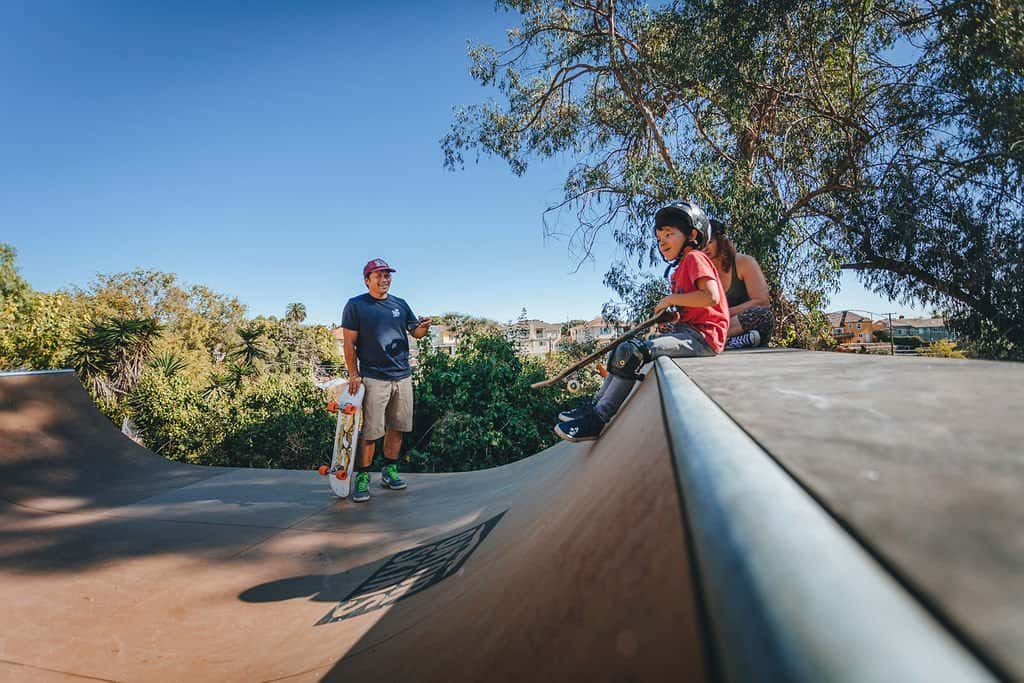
x,y
737,293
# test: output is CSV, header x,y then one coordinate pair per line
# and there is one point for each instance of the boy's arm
x,y
704,296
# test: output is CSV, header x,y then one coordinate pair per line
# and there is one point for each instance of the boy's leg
x,y
685,342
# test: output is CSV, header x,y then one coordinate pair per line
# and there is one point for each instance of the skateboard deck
x,y
346,434
650,322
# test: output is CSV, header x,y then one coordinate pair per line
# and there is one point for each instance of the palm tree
x,y
295,313
110,354
251,349
168,363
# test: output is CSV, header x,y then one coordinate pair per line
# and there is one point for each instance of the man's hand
x,y
353,384
425,323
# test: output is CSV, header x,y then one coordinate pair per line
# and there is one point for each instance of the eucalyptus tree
x,y
881,136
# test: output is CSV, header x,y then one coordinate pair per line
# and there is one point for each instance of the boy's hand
x,y
666,310
669,317
424,322
353,385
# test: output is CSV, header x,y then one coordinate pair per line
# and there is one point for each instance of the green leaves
x,y
885,136
476,410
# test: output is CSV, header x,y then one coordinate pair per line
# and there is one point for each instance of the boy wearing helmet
x,y
700,329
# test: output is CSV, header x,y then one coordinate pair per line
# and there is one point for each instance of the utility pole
x,y
892,346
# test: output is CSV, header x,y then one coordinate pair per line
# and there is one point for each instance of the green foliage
x,y
168,363
794,123
295,313
911,342
251,348
476,410
110,355
269,421
881,335
943,348
638,295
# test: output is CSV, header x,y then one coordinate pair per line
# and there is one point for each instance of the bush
x,y
909,342
270,421
942,348
476,409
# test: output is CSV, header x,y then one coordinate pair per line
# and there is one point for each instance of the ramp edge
x,y
790,595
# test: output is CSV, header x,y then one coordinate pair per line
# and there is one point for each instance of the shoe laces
x,y
362,481
391,471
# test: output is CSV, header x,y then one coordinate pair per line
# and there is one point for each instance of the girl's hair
x,y
726,249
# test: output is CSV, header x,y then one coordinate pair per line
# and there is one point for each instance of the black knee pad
x,y
628,357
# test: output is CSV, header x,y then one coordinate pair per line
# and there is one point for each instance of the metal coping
x,y
788,594
34,372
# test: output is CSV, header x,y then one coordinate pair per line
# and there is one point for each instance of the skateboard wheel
x,y
332,407
323,470
349,409
342,475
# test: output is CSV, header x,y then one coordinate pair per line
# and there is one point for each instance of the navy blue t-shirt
x,y
382,346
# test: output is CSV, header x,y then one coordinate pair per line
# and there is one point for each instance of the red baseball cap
x,y
376,264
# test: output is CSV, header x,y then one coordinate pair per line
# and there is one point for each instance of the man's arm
x,y
420,331
351,362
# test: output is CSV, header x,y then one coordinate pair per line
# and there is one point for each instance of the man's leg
x,y
392,444
375,402
399,421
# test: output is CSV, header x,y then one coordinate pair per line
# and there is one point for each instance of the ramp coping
x,y
15,373
788,594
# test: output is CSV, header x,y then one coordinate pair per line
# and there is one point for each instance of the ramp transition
x,y
118,565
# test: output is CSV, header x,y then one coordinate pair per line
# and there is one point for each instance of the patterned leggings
x,y
758,318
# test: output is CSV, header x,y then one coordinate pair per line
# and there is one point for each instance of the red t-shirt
x,y
711,321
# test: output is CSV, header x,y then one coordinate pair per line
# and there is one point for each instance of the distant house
x,y
928,329
443,339
536,337
850,328
598,329
339,339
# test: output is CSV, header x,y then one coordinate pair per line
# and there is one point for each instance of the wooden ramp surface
x,y
117,565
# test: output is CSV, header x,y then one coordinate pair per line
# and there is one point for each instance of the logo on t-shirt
x,y
395,313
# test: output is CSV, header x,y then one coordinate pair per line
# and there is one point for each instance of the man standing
x,y
377,356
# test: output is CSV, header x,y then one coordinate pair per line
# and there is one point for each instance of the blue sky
x,y
268,150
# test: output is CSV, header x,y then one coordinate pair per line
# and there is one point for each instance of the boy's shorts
x,y
387,406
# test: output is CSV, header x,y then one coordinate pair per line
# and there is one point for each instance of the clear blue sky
x,y
268,150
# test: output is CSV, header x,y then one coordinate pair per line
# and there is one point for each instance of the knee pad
x,y
628,357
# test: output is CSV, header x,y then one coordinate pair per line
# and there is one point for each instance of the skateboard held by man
x,y
349,408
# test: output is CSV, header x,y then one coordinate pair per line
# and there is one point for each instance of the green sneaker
x,y
389,478
361,488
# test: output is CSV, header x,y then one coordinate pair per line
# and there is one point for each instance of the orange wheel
x,y
349,409
342,475
323,470
332,407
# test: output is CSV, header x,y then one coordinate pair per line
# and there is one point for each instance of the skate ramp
x,y
117,565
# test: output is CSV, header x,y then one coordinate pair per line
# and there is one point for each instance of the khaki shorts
x,y
387,406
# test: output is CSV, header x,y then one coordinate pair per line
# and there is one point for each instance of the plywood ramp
x,y
568,565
